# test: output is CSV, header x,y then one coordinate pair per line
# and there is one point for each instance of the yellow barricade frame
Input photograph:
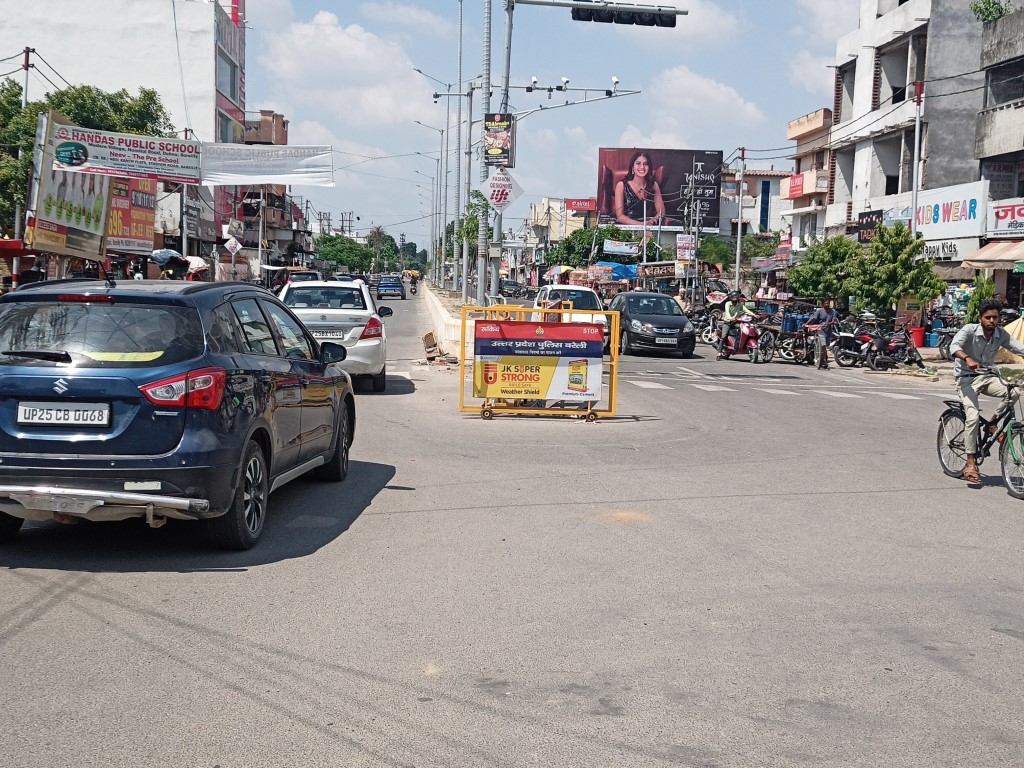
x,y
488,407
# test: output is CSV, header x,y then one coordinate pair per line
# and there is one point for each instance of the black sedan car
x,y
652,321
158,399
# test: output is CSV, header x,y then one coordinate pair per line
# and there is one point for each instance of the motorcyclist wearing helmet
x,y
733,309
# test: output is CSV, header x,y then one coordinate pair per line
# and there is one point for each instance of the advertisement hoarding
x,y
501,190
950,213
500,139
123,154
620,248
538,361
70,216
796,186
231,164
661,177
867,225
132,215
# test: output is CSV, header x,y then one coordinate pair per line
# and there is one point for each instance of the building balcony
x,y
875,123
809,123
1003,40
814,182
998,130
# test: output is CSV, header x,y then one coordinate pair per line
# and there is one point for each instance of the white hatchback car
x,y
345,314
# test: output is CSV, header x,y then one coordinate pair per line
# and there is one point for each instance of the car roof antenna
x,y
106,276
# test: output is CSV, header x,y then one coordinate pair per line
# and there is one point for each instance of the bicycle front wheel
x,y
1011,461
950,443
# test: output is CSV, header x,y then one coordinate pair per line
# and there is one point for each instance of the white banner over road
x,y
231,164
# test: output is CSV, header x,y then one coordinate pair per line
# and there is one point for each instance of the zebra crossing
x,y
784,385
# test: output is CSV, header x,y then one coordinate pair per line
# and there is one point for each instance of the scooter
x,y
412,289
743,339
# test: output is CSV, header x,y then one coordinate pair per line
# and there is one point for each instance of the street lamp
x,y
433,208
437,192
442,174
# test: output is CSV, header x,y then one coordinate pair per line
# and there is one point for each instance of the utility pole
x,y
481,241
469,166
918,91
456,258
18,223
739,215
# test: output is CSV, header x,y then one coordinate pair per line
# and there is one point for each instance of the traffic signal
x,y
645,15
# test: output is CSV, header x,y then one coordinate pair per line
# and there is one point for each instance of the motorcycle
x,y
412,289
850,348
704,326
743,339
888,351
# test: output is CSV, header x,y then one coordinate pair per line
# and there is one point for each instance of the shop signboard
x,y
70,216
538,361
867,225
949,213
500,139
132,215
657,269
580,204
1006,218
83,150
796,186
676,174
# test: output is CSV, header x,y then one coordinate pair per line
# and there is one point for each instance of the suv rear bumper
x,y
102,495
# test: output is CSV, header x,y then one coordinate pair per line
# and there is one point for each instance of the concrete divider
x,y
447,327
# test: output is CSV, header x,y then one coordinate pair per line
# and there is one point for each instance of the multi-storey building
x,y
900,43
999,138
807,188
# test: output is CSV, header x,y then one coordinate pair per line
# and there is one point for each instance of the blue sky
x,y
732,73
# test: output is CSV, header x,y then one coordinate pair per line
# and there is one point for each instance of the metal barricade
x,y
525,360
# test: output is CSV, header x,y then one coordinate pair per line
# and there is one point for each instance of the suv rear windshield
x,y
100,335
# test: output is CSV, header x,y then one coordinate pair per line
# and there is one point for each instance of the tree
x,y
990,10
984,289
345,251
82,104
761,246
825,269
892,270
715,251
575,250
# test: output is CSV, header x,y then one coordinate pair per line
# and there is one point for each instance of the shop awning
x,y
807,209
997,256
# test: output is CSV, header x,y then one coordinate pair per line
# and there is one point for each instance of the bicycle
x,y
1002,429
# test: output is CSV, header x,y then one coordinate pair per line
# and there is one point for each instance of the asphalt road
x,y
749,566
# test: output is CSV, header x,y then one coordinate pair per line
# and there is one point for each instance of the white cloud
x,y
423,21
697,99
267,15
811,73
665,135
359,78
706,24
828,21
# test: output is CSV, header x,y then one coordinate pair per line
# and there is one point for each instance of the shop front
x,y
1004,252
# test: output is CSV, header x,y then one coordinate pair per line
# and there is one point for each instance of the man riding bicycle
x,y
974,347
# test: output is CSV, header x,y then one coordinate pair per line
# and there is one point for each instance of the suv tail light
x,y
373,330
201,389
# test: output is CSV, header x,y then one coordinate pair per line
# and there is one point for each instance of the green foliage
x,y
715,251
345,251
825,269
84,105
984,289
892,270
759,247
990,10
576,249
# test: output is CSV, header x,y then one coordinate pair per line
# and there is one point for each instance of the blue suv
x,y
159,399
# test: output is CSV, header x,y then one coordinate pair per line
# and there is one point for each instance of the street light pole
x,y
481,240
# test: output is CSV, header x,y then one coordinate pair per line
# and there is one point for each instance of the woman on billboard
x,y
637,193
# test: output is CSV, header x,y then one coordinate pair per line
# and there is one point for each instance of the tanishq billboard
x,y
656,187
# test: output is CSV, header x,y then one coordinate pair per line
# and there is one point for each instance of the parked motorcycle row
x,y
859,341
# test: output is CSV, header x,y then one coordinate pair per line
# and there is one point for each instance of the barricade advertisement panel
x,y
541,361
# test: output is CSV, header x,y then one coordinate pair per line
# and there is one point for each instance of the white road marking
x,y
692,372
894,396
712,388
837,394
649,385
775,391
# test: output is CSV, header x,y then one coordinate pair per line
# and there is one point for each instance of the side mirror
x,y
332,353
385,311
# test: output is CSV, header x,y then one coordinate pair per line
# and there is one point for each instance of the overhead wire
x,y
8,58
8,74
42,74
181,66
50,66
